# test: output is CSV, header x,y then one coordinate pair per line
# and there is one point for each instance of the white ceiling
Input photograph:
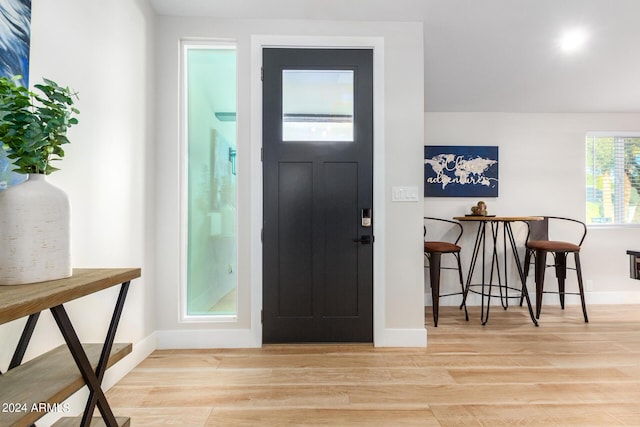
x,y
489,55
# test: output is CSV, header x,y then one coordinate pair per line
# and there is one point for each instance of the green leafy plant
x,y
33,126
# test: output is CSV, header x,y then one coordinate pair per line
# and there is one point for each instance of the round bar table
x,y
480,246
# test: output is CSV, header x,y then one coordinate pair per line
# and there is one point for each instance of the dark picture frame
x,y
460,171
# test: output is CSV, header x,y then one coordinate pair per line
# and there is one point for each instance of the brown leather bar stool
x,y
538,244
433,251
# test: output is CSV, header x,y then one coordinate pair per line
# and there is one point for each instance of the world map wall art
x,y
460,171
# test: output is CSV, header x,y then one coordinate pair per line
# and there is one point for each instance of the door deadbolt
x,y
365,217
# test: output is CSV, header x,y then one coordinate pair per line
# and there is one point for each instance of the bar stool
x,y
538,245
433,251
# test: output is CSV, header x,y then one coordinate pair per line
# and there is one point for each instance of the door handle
x,y
365,240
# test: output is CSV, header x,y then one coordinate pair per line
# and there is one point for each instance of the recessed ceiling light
x,y
573,40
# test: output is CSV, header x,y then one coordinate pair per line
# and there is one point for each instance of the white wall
x,y
542,172
104,51
399,287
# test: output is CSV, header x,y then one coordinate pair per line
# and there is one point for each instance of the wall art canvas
x,y
460,171
15,39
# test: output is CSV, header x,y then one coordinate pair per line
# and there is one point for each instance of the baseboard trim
x,y
402,338
592,297
606,297
211,338
243,338
141,350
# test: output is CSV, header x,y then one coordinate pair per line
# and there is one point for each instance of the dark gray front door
x,y
318,195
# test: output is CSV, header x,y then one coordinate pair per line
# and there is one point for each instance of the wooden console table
x,y
29,390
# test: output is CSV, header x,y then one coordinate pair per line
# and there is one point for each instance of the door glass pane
x,y
317,105
211,174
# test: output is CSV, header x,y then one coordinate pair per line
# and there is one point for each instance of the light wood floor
x,y
563,373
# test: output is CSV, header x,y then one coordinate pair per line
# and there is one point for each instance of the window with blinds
x,y
613,179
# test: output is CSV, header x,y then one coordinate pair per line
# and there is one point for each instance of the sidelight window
x,y
210,262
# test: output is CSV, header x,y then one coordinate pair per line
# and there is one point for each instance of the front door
x,y
318,195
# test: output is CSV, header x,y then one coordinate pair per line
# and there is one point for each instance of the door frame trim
x,y
258,42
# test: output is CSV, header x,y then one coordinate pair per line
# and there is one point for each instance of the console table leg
x,y
27,332
80,357
106,350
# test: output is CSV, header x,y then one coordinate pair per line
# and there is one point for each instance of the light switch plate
x,y
404,194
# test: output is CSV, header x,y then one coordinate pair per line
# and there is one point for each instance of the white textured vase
x,y
34,232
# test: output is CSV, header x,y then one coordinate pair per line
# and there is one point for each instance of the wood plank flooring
x,y
563,373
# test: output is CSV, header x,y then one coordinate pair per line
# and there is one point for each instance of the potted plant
x,y
34,215
33,127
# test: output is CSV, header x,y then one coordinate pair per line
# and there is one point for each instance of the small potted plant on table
x,y
34,215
